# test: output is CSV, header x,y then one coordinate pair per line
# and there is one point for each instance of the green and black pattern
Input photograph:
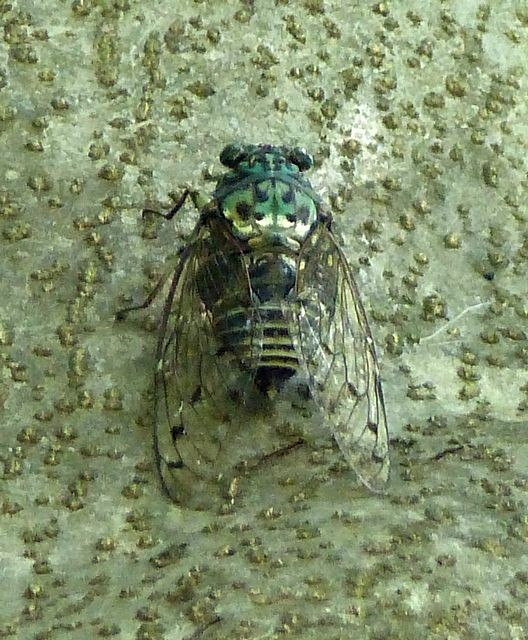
x,y
262,310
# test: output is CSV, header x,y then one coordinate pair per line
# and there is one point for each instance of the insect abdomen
x,y
258,330
260,337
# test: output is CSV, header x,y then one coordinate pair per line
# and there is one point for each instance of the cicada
x,y
263,315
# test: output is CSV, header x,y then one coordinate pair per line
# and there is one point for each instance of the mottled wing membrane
x,y
209,417
337,349
193,408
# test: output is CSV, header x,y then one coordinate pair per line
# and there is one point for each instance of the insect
x,y
263,312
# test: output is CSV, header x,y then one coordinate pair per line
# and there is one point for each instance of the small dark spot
x,y
177,431
303,214
197,394
175,464
261,195
373,427
244,210
489,275
291,217
259,215
288,196
352,390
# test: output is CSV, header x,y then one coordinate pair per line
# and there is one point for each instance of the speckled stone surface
x,y
416,116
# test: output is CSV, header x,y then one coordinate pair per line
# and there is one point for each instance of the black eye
x,y
301,158
233,154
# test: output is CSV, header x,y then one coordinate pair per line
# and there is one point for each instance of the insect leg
x,y
198,199
122,313
170,214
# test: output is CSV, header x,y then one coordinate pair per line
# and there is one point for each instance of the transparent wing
x,y
209,417
337,349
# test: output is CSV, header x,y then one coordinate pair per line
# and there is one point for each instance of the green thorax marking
x,y
267,199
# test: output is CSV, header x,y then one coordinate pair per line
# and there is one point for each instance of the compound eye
x,y
233,154
301,158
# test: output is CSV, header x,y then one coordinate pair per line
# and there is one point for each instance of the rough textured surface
x,y
417,119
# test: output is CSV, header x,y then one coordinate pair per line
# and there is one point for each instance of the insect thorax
x,y
268,202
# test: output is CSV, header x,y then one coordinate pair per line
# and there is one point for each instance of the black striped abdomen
x,y
250,314
260,336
